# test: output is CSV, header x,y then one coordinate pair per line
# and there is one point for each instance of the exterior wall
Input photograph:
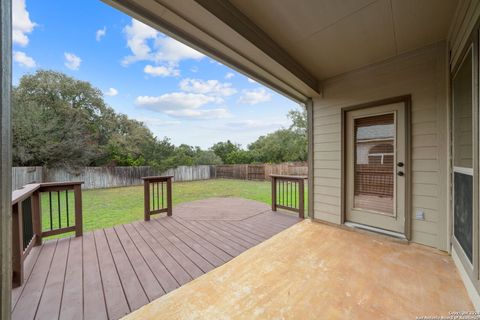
x,y
421,74
465,20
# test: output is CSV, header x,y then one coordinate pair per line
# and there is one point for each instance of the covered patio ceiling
x,y
291,46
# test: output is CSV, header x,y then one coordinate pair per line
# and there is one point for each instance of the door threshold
x,y
376,230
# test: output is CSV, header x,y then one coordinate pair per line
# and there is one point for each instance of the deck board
x,y
111,272
209,246
164,277
94,298
28,267
147,279
115,300
132,287
27,304
180,275
50,302
73,285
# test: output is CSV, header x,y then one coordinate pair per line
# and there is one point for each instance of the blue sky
x,y
176,91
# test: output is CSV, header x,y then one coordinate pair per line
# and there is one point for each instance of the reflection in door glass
x,y
374,163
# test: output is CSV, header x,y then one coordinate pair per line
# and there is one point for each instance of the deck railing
x,y
288,192
28,226
157,195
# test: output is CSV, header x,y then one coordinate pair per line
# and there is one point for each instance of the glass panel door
x,y
374,163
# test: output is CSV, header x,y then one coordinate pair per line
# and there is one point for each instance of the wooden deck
x,y
110,272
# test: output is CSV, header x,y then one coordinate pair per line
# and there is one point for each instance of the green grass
x,y
109,207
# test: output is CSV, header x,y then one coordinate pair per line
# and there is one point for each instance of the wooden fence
x,y
260,171
103,177
110,177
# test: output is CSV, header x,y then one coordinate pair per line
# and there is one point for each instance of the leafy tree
x,y
223,149
62,121
207,158
240,156
299,120
53,118
280,146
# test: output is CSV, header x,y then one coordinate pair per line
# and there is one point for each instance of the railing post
x,y
301,200
169,197
37,218
274,193
146,199
17,245
77,190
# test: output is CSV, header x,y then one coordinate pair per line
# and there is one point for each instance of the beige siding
x,y
422,74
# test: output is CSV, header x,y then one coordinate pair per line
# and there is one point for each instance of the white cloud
x,y
111,92
21,23
199,114
209,87
161,71
147,44
72,61
100,33
183,105
175,101
171,51
23,60
155,122
254,96
229,75
242,125
251,80
138,35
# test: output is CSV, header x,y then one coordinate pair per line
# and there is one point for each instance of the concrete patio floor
x,y
316,271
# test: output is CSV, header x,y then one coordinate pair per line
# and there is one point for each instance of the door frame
x,y
407,101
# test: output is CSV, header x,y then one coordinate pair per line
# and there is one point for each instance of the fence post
x,y
146,200
301,198
274,193
37,218
17,245
169,197
77,190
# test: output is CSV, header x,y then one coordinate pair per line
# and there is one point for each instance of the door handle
x,y
400,164
400,173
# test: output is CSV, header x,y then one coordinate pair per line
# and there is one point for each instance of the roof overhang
x,y
192,24
292,46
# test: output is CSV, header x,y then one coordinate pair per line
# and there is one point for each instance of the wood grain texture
x,y
109,273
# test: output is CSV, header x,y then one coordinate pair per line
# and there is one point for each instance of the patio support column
x,y
5,159
309,106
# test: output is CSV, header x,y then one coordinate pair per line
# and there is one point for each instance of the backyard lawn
x,y
109,207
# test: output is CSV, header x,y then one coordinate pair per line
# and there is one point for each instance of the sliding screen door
x,y
463,104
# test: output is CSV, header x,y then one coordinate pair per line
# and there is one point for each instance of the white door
x,y
375,167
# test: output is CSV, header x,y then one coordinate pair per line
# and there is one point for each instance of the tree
x,y
207,158
299,120
280,146
223,149
50,120
62,121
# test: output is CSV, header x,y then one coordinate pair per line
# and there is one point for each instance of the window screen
x,y
374,163
462,114
462,88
